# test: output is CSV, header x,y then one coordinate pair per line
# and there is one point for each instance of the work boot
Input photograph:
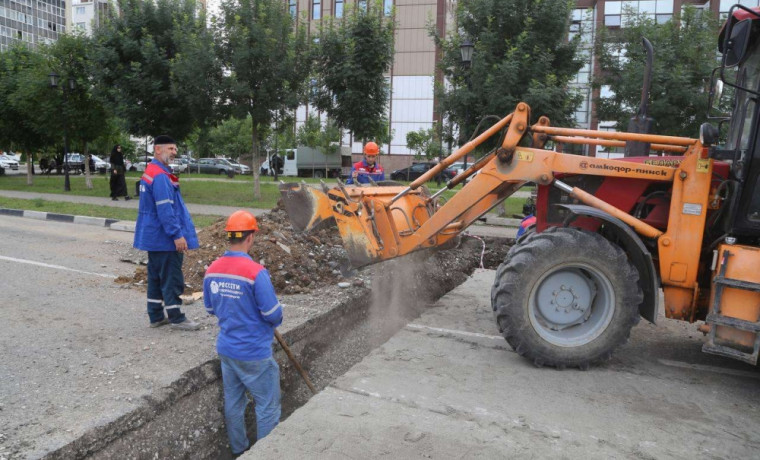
x,y
127,198
186,325
160,323
113,198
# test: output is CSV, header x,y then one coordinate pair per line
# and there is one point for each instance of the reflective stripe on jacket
x,y
163,216
239,292
366,171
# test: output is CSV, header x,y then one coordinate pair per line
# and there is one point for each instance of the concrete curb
x,y
40,215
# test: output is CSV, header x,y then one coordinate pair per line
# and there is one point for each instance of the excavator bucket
x,y
306,206
369,223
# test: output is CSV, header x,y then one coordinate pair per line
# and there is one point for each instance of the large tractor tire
x,y
566,298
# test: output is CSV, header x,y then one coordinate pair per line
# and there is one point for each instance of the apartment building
x,y
31,21
86,15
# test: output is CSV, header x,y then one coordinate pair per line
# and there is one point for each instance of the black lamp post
x,y
65,88
466,50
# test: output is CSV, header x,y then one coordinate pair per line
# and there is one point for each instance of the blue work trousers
x,y
165,284
262,380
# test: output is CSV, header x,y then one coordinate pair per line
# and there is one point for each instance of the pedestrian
x,y
239,292
368,168
118,181
164,229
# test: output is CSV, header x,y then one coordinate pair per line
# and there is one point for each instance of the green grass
x,y
237,192
77,209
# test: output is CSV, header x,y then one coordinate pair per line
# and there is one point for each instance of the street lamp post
x,y
466,50
65,88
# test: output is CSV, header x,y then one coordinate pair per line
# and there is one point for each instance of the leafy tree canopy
x,y
156,63
684,55
351,58
425,143
521,54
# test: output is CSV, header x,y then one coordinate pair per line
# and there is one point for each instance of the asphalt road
x,y
76,348
448,386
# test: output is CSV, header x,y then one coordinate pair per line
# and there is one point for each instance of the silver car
x,y
7,162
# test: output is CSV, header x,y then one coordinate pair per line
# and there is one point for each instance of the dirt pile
x,y
297,263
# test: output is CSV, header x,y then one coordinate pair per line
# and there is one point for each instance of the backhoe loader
x,y
612,235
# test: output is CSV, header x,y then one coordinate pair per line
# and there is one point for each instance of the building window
x,y
316,9
292,7
80,10
338,8
80,25
387,7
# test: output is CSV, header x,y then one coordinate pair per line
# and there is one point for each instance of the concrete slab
x,y
447,387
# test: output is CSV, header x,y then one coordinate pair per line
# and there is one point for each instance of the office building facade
x,y
31,22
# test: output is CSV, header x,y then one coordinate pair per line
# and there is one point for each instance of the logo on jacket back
x,y
226,288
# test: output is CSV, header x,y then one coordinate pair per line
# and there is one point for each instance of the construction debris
x,y
297,263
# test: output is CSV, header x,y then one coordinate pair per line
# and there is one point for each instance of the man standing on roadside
x,y
164,229
368,168
240,293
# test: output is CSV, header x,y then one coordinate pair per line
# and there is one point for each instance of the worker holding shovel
x,y
240,293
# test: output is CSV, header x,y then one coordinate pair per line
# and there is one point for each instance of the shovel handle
x,y
292,358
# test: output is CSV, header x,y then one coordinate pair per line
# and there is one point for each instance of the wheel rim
x,y
571,304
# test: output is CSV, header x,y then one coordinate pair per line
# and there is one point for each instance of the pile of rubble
x,y
297,263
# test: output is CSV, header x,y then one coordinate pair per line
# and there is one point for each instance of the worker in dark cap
x,y
164,229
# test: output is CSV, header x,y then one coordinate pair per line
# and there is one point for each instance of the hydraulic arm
x,y
380,222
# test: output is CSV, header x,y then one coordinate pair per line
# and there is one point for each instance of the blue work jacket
x,y
163,216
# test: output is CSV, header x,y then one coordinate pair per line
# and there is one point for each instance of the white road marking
x,y
59,267
702,367
453,332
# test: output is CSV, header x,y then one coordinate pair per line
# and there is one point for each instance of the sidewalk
x,y
490,228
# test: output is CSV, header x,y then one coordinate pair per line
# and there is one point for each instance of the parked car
x,y
178,166
240,167
416,170
8,162
140,165
213,166
75,162
101,165
13,156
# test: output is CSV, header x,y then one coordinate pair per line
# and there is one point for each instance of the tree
x,y
351,58
521,54
156,63
268,61
232,137
426,143
26,103
86,115
684,55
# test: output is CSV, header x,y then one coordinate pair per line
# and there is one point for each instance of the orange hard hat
x,y
241,221
370,148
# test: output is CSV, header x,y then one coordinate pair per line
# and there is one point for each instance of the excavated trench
x,y
185,420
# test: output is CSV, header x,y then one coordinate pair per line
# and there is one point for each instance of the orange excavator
x,y
609,234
